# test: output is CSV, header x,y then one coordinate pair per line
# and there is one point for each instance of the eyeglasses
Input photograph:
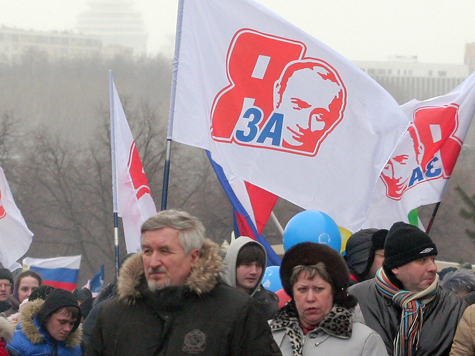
x,y
5,285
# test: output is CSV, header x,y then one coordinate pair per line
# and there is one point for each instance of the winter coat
x,y
30,339
6,333
441,317
337,334
202,317
268,301
464,339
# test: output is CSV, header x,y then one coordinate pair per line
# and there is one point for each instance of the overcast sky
x,y
434,30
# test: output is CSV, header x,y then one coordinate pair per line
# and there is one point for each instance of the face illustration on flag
x,y
427,152
280,110
418,170
290,103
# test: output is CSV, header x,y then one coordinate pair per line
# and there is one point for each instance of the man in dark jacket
x,y
404,302
6,288
169,300
244,265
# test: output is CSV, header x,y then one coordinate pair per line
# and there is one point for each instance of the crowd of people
x,y
183,295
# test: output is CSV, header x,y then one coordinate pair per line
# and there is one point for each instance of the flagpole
x,y
114,175
277,223
434,213
166,173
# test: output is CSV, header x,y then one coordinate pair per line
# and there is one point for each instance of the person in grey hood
x,y
244,266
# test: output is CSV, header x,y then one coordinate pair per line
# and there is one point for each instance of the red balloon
x,y
283,297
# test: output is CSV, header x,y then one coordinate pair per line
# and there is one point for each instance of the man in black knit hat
x,y
6,288
404,302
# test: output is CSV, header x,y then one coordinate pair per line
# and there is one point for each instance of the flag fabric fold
x,y
58,272
278,109
96,283
419,168
15,237
252,207
134,198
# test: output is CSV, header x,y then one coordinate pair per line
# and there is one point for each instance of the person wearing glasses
x,y
6,288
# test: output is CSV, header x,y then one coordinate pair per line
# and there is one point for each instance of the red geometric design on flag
x,y
262,204
137,174
3,213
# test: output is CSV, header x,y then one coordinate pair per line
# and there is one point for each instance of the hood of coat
x,y
6,330
31,330
202,279
228,274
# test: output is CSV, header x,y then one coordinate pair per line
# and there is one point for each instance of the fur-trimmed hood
x,y
6,330
203,277
30,328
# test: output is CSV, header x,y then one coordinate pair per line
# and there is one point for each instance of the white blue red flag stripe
x,y
58,272
250,220
279,109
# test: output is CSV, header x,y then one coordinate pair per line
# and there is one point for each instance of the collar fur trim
x,y
203,277
31,330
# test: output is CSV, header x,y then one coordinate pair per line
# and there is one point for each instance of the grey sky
x,y
434,30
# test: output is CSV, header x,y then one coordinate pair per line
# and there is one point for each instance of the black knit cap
x,y
41,292
6,274
57,299
311,253
406,243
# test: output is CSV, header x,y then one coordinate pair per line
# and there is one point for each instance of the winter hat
x,y
6,274
310,253
358,248
82,294
57,299
41,292
406,243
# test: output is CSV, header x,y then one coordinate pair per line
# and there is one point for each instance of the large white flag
x,y
134,198
279,109
15,237
419,169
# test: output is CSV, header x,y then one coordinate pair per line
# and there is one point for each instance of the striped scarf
x,y
413,305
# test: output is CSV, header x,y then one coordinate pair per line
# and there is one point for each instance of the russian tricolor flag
x,y
58,272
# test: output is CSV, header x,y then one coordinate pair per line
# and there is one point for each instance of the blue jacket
x,y
31,340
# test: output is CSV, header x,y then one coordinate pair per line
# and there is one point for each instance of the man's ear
x,y
195,256
395,271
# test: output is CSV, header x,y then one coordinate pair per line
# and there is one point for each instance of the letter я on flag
x,y
280,110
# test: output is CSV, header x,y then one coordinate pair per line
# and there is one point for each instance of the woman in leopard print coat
x,y
319,319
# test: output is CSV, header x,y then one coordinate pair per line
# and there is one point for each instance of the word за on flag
x,y
280,110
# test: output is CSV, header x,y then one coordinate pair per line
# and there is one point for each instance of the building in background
x,y
116,23
14,43
406,79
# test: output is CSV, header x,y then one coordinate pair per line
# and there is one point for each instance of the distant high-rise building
x,y
14,43
407,79
470,56
116,23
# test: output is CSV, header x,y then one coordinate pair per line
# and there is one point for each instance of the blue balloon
x,y
271,280
312,226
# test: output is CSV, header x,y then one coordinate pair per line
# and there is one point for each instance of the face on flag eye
x,y
304,96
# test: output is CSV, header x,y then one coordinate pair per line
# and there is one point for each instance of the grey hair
x,y
191,230
460,280
312,270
